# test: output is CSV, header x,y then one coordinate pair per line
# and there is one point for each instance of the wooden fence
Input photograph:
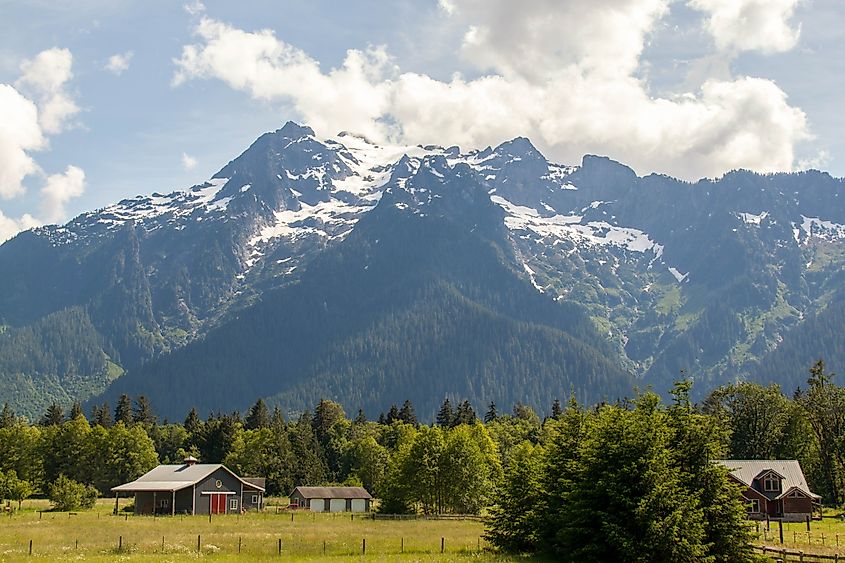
x,y
783,554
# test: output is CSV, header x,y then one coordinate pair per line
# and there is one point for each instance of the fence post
x,y
780,527
280,546
324,547
801,556
162,544
199,548
808,523
120,543
239,545
442,545
30,547
402,547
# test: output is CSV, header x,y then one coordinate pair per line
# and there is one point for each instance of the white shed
x,y
331,499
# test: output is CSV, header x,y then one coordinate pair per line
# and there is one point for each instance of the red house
x,y
775,489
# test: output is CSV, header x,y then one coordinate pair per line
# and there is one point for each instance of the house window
x,y
163,503
795,494
771,483
254,499
233,504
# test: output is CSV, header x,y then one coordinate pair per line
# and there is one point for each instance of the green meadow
x,y
97,535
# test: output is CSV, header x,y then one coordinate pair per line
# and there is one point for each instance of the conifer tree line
x,y
562,484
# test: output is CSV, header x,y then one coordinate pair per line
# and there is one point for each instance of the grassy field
x,y
96,535
826,536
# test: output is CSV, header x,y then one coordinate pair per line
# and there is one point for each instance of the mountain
x,y
368,273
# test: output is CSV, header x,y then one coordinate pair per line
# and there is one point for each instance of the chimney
x,y
190,460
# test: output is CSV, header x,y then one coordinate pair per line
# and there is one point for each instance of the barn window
x,y
795,494
754,506
233,504
771,483
254,499
163,503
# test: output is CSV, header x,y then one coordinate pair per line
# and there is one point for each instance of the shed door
x,y
218,504
338,505
359,505
316,504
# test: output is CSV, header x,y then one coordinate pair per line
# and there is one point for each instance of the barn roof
x,y
746,470
333,492
176,477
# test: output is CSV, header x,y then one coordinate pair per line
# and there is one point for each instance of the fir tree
x,y
465,414
360,418
407,414
381,419
445,416
491,414
192,422
76,411
102,416
258,417
7,417
556,409
123,410
143,412
393,414
277,420
53,416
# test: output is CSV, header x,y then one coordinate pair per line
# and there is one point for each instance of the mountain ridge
x,y
710,277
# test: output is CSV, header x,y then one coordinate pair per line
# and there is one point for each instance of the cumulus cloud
x,y
750,25
58,190
194,8
19,134
119,63
25,124
9,227
188,162
45,77
564,74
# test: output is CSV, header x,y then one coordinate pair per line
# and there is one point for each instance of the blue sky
x,y
687,87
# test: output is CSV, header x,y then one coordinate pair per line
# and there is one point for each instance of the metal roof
x,y
175,477
746,470
333,492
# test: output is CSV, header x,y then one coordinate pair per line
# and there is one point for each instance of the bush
x,y
66,494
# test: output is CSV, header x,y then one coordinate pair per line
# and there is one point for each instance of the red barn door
x,y
218,503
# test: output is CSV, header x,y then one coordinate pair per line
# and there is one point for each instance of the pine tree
x,y
192,422
143,412
102,416
381,419
258,417
7,417
76,411
360,418
123,410
446,415
407,414
465,414
393,414
556,409
277,420
491,414
53,416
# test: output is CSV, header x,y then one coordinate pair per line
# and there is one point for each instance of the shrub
x,y
66,494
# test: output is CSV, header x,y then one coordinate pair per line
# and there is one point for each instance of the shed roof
x,y
175,477
746,470
333,492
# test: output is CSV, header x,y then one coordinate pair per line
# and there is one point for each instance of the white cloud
x,y
24,125
19,134
58,190
45,77
119,62
194,8
750,25
563,74
9,227
188,162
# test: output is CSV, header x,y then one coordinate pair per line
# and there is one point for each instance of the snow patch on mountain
x,y
819,228
752,219
572,228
